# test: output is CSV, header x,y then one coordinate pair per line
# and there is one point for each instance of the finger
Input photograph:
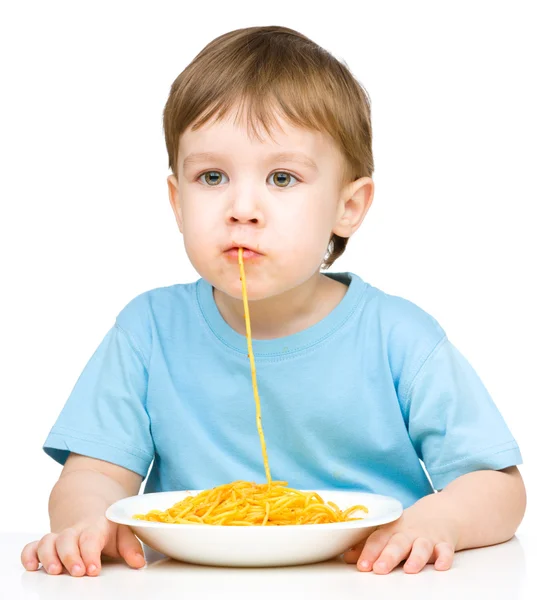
x,y
48,556
353,554
29,556
69,552
419,555
396,550
129,547
373,546
445,554
91,542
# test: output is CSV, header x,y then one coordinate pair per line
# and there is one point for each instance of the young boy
x,y
357,386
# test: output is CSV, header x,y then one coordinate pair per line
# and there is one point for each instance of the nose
x,y
253,220
245,209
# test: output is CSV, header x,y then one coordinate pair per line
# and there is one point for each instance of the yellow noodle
x,y
252,367
244,503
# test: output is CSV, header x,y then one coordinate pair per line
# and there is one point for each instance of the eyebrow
x,y
298,157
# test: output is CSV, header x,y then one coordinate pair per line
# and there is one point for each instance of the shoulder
x,y
155,302
153,311
399,318
409,334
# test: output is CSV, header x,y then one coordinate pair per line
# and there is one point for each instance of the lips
x,y
247,253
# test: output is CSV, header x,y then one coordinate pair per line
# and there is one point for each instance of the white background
x,y
85,223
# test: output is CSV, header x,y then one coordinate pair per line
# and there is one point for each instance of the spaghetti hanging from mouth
x,y
247,503
252,368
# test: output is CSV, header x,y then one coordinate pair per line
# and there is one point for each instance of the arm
x,y
477,509
86,488
487,506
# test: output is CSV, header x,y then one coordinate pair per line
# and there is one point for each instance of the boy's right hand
x,y
81,546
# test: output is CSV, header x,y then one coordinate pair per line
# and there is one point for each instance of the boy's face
x,y
279,207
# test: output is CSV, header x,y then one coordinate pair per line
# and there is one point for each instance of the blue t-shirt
x,y
354,402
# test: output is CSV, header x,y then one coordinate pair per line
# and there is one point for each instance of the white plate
x,y
255,546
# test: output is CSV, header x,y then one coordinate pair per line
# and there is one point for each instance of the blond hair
x,y
267,67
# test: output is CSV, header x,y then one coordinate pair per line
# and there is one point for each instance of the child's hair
x,y
267,68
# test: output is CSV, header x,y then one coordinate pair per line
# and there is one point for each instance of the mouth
x,y
247,253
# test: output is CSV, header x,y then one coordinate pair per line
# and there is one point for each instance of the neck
x,y
286,313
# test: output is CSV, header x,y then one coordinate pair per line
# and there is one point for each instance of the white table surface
x,y
506,571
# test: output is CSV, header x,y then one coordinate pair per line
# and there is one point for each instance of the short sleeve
x,y
105,416
453,422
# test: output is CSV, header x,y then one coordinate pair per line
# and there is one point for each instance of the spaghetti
x,y
246,503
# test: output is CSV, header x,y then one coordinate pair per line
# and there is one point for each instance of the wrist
x,y
443,514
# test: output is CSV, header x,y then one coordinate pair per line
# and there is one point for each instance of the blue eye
x,y
213,178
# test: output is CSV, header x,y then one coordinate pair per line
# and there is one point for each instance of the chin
x,y
255,290
261,284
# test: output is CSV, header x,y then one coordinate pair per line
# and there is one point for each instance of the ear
x,y
354,202
173,193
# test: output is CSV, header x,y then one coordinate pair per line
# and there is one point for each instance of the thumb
x,y
129,547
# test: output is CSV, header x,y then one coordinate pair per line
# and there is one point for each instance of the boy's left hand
x,y
419,534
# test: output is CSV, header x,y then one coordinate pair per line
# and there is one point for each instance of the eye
x,y
213,178
282,178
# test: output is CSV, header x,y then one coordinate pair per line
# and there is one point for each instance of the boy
x,y
356,386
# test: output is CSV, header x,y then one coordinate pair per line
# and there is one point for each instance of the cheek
x,y
308,237
312,216
198,227
196,242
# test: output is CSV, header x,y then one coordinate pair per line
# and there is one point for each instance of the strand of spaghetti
x,y
252,367
266,514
